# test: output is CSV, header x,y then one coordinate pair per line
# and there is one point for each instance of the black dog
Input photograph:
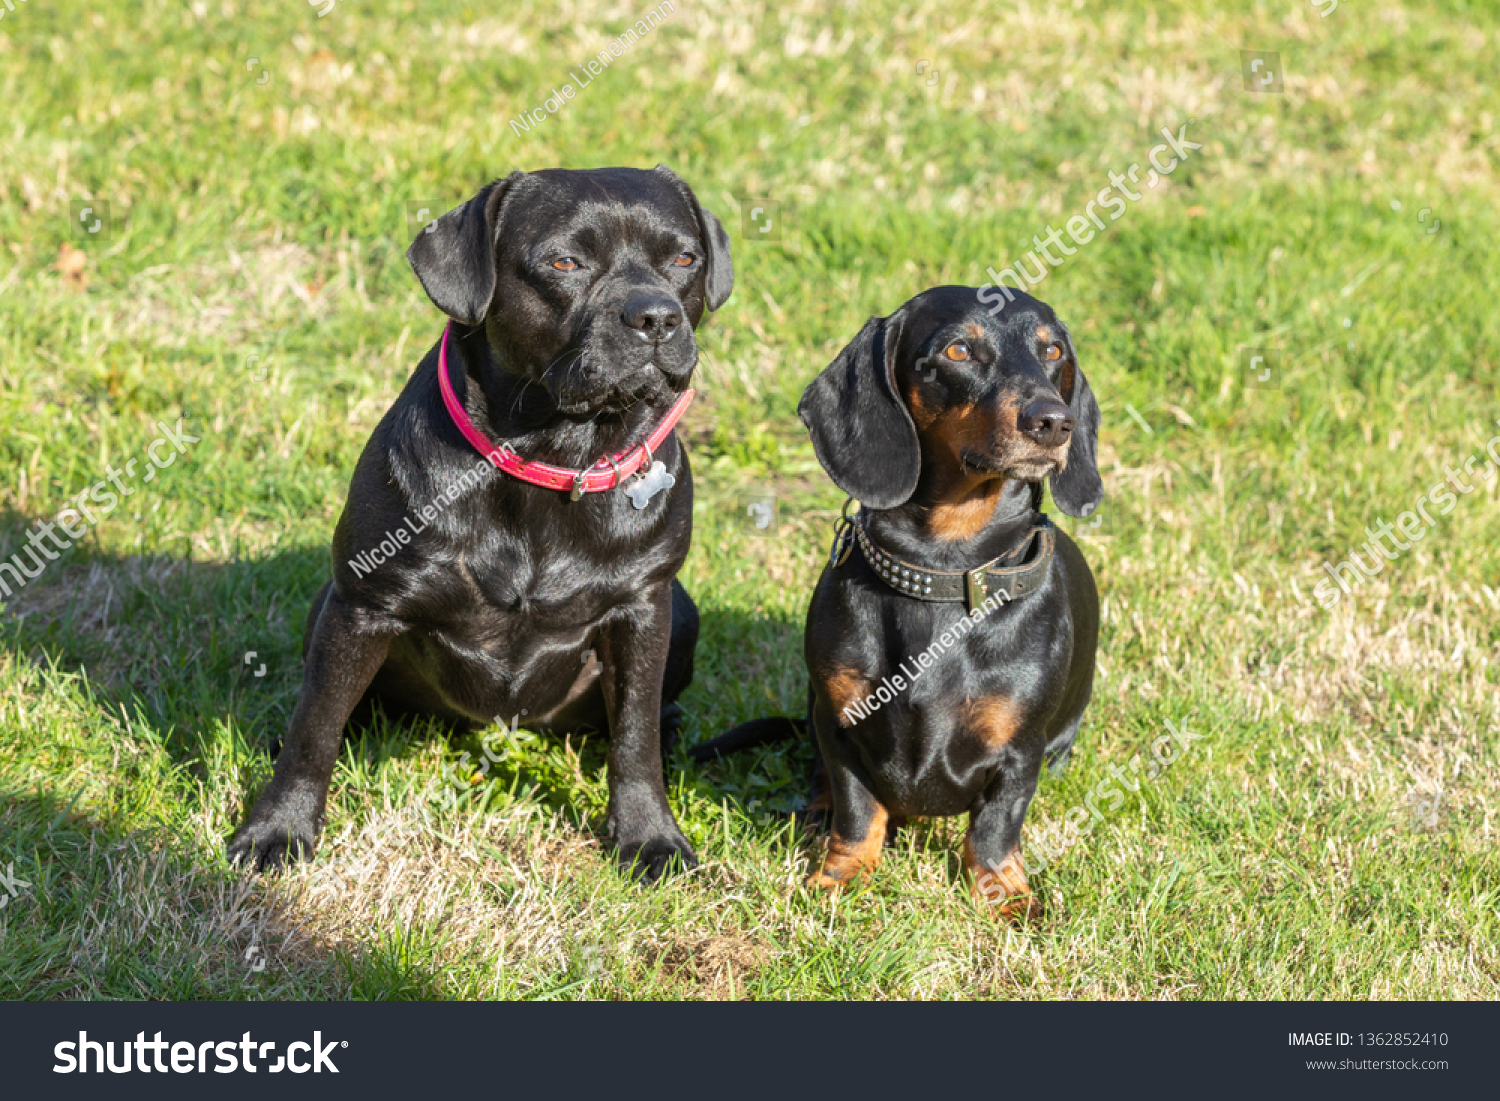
x,y
951,639
467,593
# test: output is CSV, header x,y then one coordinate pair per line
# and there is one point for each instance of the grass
x,y
1333,835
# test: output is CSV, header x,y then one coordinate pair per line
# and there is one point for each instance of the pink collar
x,y
607,473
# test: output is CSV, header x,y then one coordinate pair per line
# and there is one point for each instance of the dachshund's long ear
x,y
1077,489
454,256
861,429
718,277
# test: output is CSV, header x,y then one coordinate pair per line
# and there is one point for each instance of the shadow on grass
x,y
206,657
103,911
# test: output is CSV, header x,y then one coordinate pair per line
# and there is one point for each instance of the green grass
x,y
1281,857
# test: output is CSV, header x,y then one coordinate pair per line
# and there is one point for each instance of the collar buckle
x,y
976,588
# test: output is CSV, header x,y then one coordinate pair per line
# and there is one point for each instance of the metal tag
x,y
843,543
843,536
649,484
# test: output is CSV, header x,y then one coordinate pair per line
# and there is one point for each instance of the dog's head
x,y
589,283
977,395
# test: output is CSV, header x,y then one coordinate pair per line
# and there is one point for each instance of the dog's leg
x,y
312,615
307,633
859,818
992,849
633,651
679,672
1061,746
341,660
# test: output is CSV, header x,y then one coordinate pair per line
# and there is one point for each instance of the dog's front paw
x,y
1024,910
649,860
1002,887
273,842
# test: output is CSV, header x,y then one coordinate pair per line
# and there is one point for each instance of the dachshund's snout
x,y
1048,422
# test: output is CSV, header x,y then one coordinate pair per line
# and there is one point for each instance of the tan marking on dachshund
x,y
995,720
845,688
850,858
1002,887
966,497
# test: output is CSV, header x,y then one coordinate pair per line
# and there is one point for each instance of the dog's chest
x,y
935,698
544,586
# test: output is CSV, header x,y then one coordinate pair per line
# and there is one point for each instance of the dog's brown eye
x,y
685,259
567,263
1053,352
958,352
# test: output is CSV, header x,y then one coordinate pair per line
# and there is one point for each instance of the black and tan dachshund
x,y
950,640
524,502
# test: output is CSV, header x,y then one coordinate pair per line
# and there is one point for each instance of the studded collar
x,y
970,587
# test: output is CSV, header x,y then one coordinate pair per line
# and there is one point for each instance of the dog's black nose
x,y
654,317
1047,422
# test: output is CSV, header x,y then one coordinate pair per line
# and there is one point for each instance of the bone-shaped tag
x,y
648,485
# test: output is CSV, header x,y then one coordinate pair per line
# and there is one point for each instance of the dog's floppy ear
x,y
718,278
454,256
1078,488
862,432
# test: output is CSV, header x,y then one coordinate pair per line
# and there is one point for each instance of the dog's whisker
x,y
709,367
520,396
556,361
580,362
576,353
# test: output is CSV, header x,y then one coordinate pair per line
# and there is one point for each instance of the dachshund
x,y
950,640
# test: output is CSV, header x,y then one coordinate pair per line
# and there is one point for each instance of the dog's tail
x,y
750,735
